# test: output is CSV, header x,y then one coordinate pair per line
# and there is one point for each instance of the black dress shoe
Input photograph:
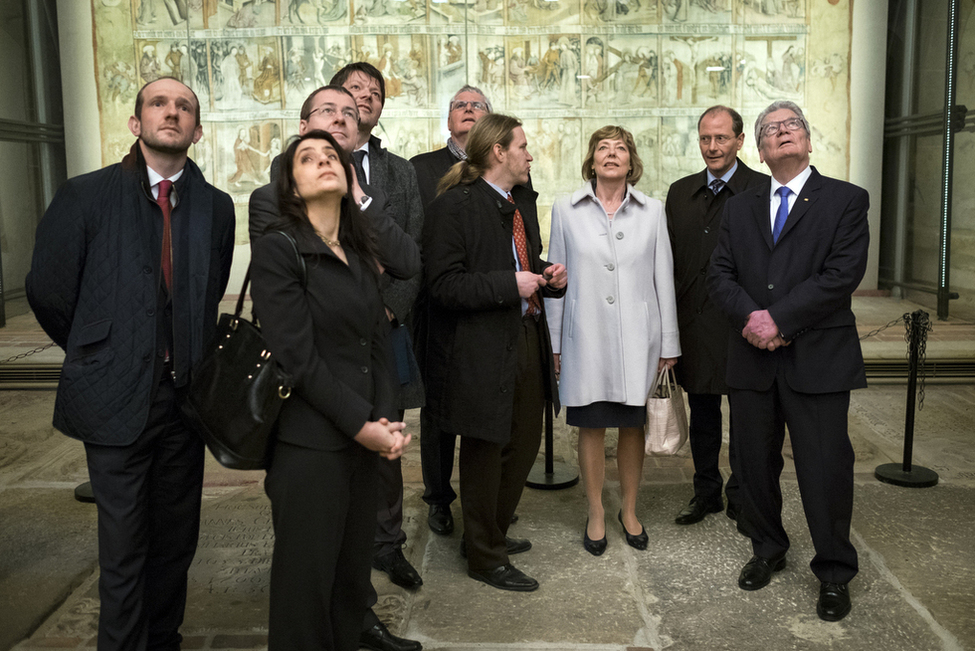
x,y
697,510
636,542
506,577
379,638
398,568
834,601
758,572
512,546
440,519
594,547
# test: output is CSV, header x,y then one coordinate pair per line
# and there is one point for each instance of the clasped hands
x,y
384,437
761,331
529,283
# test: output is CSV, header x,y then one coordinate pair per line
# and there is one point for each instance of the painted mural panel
x,y
565,67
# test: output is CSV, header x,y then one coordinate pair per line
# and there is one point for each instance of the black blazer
x,y
430,168
331,337
805,281
693,221
475,309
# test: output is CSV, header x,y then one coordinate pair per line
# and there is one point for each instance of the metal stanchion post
x,y
906,474
550,475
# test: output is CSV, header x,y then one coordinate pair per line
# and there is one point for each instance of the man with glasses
x,y
394,176
333,109
790,253
437,447
694,205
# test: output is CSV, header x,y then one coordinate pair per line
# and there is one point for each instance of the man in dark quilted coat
x,y
129,266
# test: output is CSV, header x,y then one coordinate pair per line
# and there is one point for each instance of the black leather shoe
x,y
506,577
398,568
514,518
834,601
594,547
758,572
512,546
636,542
378,638
440,519
697,510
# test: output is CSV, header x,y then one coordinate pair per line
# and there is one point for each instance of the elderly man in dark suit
x,y
129,266
790,254
694,206
466,107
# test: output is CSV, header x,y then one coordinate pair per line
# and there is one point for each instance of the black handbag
x,y
237,389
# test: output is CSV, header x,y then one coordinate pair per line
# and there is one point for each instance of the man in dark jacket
x,y
436,446
489,366
129,266
694,205
791,251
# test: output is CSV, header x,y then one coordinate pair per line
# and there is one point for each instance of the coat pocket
x,y
91,339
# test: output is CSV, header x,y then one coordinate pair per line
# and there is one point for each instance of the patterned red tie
x,y
521,246
167,242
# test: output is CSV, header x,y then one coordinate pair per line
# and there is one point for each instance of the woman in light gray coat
x,y
617,324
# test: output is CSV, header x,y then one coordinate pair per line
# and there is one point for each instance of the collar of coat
x,y
589,190
134,162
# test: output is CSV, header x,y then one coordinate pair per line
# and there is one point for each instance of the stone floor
x,y
914,591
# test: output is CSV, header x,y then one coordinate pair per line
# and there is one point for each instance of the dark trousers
x,y
823,458
705,436
389,521
148,499
323,505
492,475
436,460
389,511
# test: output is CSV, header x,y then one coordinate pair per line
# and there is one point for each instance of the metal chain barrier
x,y
28,353
920,322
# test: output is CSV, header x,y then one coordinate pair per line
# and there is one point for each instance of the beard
x,y
170,146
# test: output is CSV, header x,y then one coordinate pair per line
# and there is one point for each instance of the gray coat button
x,y
619,236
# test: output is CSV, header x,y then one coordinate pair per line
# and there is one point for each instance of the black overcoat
x,y
693,218
475,309
94,283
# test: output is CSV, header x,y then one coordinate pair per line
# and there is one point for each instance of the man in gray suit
x,y
394,176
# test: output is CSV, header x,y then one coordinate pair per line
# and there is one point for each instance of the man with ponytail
x,y
488,354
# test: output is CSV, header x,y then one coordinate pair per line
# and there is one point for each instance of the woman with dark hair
x,y
617,325
326,326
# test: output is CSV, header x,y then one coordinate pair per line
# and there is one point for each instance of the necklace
x,y
328,242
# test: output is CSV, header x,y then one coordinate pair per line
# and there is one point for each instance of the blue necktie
x,y
716,185
782,214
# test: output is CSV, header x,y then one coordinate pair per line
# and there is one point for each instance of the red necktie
x,y
167,242
521,246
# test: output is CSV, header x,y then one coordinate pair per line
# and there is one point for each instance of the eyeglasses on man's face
x,y
329,111
790,124
461,105
719,140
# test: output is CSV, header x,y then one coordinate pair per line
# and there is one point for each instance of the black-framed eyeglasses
x,y
461,105
790,124
330,110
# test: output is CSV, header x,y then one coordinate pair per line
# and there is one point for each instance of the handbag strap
x,y
247,277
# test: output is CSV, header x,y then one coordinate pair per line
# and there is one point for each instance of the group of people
x,y
742,282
